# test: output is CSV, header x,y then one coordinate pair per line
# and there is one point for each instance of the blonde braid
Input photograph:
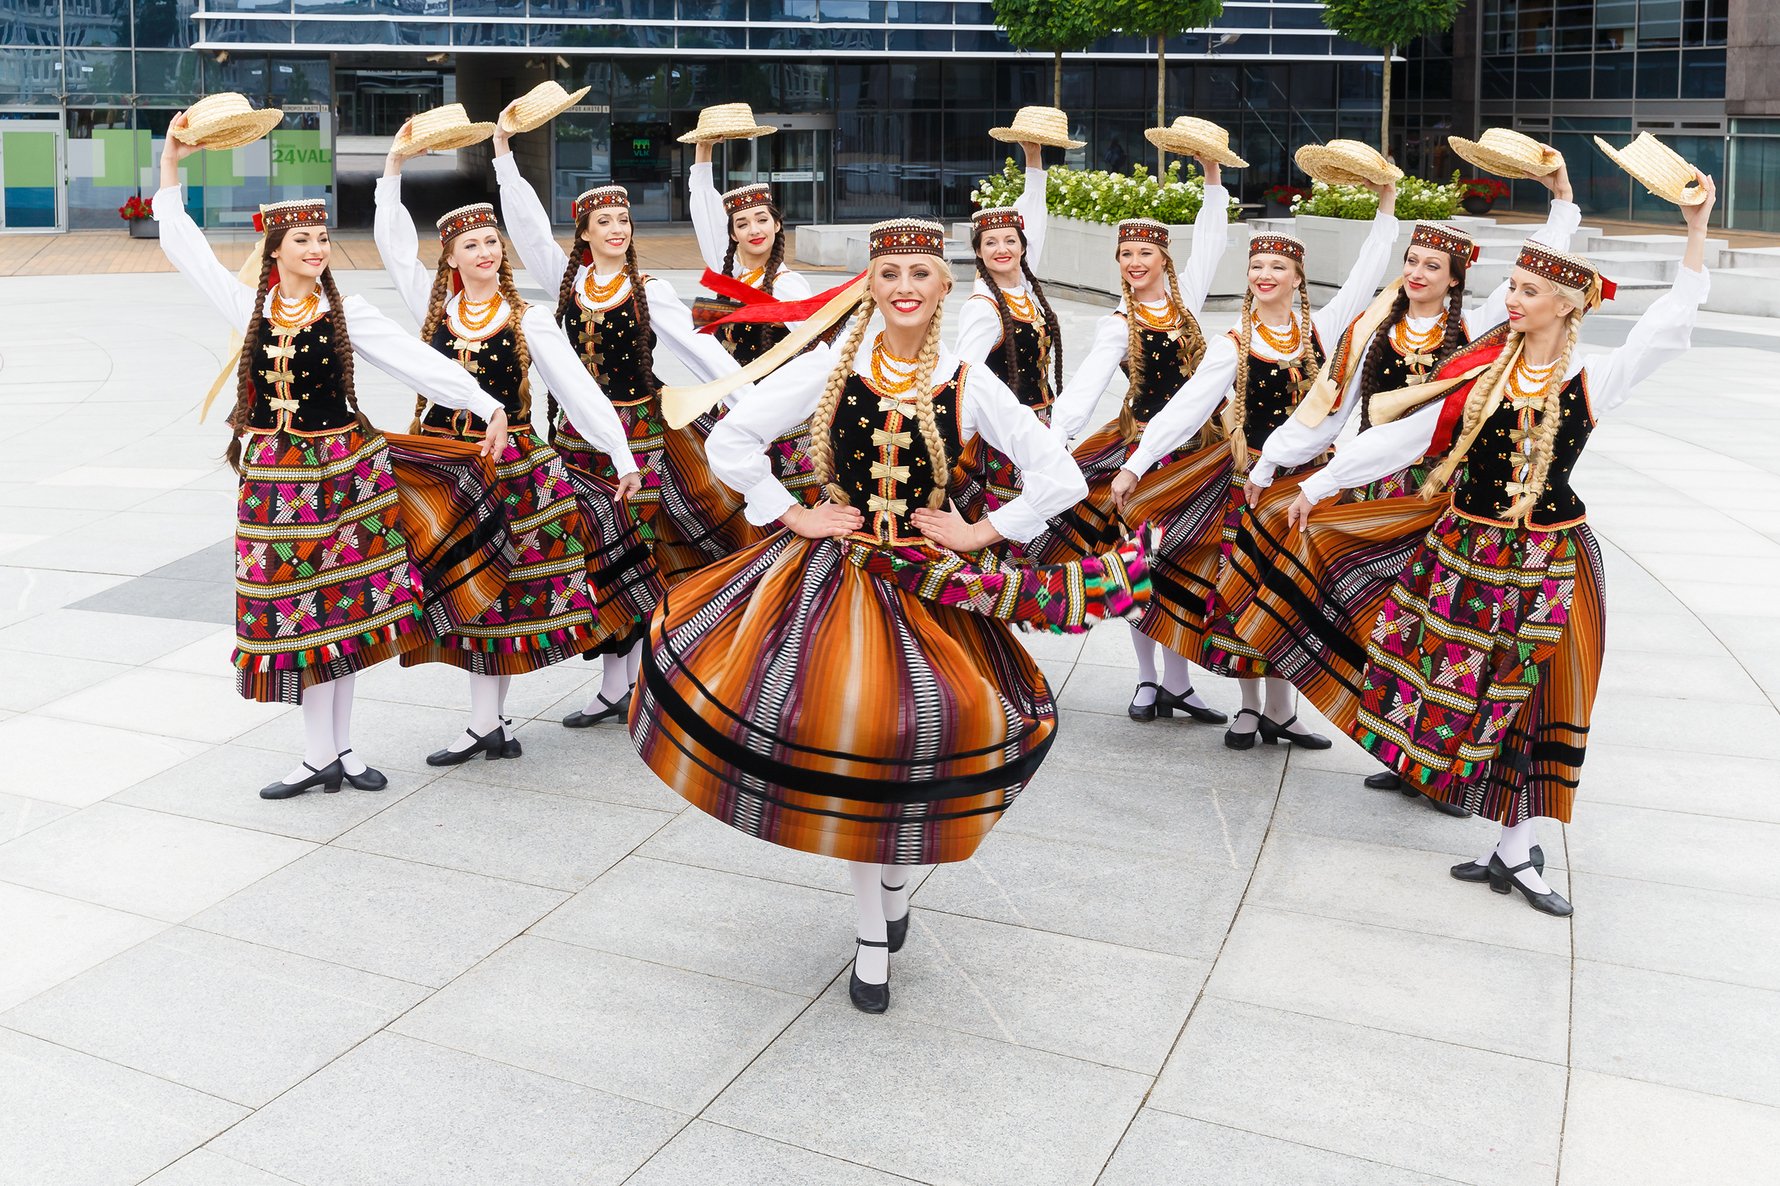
x,y
1481,392
925,415
1134,362
516,308
822,419
1236,408
435,315
1191,342
1551,417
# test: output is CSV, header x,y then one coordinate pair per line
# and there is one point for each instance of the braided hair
x,y
1236,413
440,296
1190,343
775,258
1379,351
1053,330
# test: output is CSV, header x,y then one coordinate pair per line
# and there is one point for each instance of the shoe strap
x,y
1142,684
1284,725
1527,864
895,888
345,751
872,943
601,697
314,770
1253,712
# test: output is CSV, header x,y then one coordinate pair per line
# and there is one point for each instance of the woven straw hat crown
x,y
441,129
1039,125
1346,162
726,121
226,120
1659,168
539,106
1190,136
1507,153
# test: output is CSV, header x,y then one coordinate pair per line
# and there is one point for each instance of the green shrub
x,y
1415,199
1094,196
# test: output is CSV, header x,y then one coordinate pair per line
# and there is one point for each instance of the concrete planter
x,y
1084,254
144,228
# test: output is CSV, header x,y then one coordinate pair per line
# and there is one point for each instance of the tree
x,y
1052,26
1384,25
1162,19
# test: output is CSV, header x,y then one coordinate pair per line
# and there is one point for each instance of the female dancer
x,y
470,312
741,234
1482,667
325,582
849,686
1154,337
686,517
1394,344
1258,373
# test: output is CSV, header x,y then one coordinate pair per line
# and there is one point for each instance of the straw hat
x,y
440,129
1038,125
539,106
227,120
1196,137
1346,162
1659,168
726,121
1507,153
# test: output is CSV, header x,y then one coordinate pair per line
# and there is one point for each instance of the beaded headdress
x,y
1143,230
1569,272
1269,243
907,236
466,218
746,197
294,213
602,197
996,218
1449,239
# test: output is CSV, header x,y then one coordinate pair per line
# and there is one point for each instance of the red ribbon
x,y
1608,289
259,222
735,290
778,312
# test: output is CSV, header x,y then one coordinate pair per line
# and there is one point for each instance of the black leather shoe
x,y
1144,712
1236,740
510,748
897,928
868,998
1273,734
1445,808
490,745
1503,879
1387,780
327,778
1472,871
369,779
619,708
1168,703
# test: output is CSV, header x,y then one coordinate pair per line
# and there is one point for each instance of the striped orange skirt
x,y
1185,504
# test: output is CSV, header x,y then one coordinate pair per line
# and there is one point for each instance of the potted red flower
x,y
1481,193
138,215
1280,199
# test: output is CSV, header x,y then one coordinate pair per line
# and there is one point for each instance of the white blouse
x,y
379,340
1294,442
1211,234
1051,483
528,226
1665,331
1199,397
711,225
979,326
562,369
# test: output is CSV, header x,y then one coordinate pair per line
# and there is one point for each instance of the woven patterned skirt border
x,y
1241,556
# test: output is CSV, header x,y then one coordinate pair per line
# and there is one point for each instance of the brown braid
x,y
822,419
516,307
925,415
1052,327
343,347
250,344
1134,363
1453,335
1236,407
645,335
1016,380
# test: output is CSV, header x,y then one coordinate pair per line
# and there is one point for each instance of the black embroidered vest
x,y
1484,491
299,373
611,344
747,341
494,363
1163,371
1273,393
880,457
1393,374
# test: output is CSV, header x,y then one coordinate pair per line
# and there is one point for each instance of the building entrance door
x,y
31,170
796,161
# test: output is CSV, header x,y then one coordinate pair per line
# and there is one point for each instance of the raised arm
x,y
402,356
1211,235
737,447
1051,482
528,224
1074,405
563,373
1191,407
1368,271
399,244
184,246
708,221
1031,204
703,355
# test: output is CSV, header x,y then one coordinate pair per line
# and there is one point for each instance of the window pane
x,y
1659,24
97,22
30,22
98,74
1702,74
1613,76
166,24
1659,74
167,75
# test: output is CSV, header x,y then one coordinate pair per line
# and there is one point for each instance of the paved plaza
x,y
1171,963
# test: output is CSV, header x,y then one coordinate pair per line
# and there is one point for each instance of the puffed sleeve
x,y
567,378
527,223
1051,482
1362,282
1664,332
1381,450
399,245
184,246
1189,409
1211,236
737,447
708,221
703,355
1073,408
404,357
979,329
1560,226
1033,212
792,286
1294,442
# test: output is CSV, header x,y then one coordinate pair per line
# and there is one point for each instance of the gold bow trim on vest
x,y
282,405
467,346
288,350
903,408
277,378
895,473
896,506
882,438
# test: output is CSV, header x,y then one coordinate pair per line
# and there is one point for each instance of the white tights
x,y
880,893
1177,673
1267,694
488,706
1515,847
327,727
618,673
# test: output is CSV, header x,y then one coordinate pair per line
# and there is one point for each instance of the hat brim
x,y
232,131
1666,186
1026,136
446,139
744,132
1335,167
1515,168
538,117
1182,144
